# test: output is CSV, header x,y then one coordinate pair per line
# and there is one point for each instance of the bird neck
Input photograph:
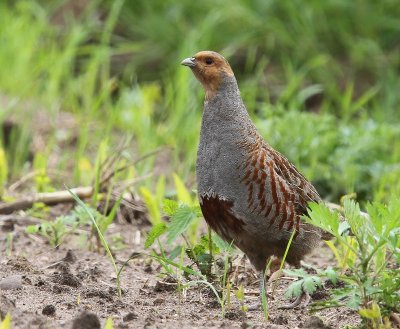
x,y
222,85
226,103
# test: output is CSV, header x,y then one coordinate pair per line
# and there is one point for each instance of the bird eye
x,y
209,61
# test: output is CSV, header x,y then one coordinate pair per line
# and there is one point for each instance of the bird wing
x,y
276,189
305,192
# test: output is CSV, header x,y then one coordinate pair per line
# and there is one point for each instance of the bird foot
x,y
275,276
297,302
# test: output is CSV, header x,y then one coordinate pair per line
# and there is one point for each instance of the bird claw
x,y
297,302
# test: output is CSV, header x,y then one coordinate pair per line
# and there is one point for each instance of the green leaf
x,y
294,289
180,221
393,239
221,244
186,269
31,229
3,170
371,313
204,262
182,192
156,231
177,251
204,241
353,216
170,207
365,98
6,323
239,293
109,324
160,189
199,249
321,216
354,301
343,227
368,314
331,275
151,204
311,283
297,273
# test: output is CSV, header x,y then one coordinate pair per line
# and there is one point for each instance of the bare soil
x,y
72,287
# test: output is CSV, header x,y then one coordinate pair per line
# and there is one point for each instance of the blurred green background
x,y
321,79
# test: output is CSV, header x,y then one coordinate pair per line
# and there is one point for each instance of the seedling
x,y
56,230
6,323
109,324
117,270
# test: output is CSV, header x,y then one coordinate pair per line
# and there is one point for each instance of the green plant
x,y
184,212
42,180
184,216
368,260
56,230
6,323
102,239
239,293
53,230
3,171
154,201
109,324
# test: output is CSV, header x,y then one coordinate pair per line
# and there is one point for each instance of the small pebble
x,y
130,316
11,283
314,322
70,257
158,301
49,310
86,320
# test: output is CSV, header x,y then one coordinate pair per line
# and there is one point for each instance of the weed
x,y
102,239
239,293
366,260
56,230
184,217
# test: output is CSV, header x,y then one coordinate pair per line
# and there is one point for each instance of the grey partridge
x,y
249,193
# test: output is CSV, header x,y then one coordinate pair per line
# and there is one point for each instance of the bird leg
x,y
263,290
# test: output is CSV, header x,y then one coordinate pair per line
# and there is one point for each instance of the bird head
x,y
211,69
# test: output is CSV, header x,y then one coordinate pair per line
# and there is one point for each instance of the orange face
x,y
209,68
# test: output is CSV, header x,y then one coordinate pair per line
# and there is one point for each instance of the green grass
x,y
346,64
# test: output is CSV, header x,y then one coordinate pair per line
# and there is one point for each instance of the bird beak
x,y
191,62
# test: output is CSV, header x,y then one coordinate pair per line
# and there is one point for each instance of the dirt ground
x,y
71,287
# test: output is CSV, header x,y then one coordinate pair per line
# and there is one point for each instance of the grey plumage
x,y
249,193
